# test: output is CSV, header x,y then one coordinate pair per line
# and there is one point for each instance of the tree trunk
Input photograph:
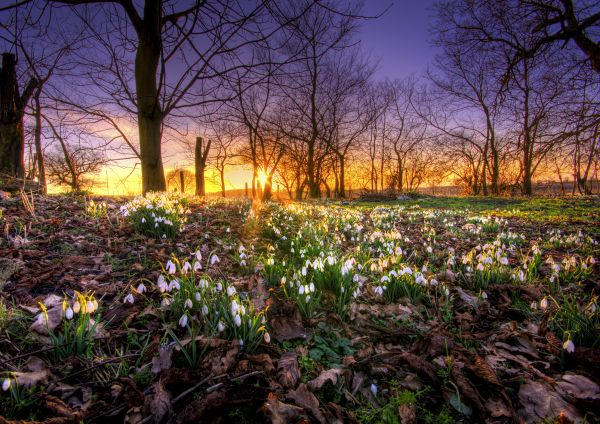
x,y
149,112
201,155
267,190
342,182
38,143
12,108
222,173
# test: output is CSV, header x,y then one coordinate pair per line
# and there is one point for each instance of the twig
x,y
24,355
99,364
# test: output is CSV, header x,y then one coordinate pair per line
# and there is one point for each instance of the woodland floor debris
x,y
394,312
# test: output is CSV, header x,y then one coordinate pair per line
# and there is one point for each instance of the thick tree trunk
x,y
12,108
267,190
201,155
149,112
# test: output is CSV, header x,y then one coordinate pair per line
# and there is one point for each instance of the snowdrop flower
x,y
143,220
379,291
76,307
480,267
204,310
197,266
89,307
165,302
484,295
220,327
69,312
429,249
238,321
141,288
267,337
544,303
183,320
6,384
128,299
198,256
219,286
283,280
174,284
301,290
198,297
307,298
503,260
374,389
188,303
569,346
312,287
230,291
186,267
214,259
170,267
303,271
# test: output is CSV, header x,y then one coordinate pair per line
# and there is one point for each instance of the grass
x,y
581,211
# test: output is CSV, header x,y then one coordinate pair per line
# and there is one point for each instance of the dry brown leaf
x,y
407,414
574,386
158,403
262,361
467,389
31,379
483,370
288,372
541,402
287,328
163,360
497,408
279,412
331,375
304,398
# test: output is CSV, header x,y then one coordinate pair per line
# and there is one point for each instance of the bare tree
x,y
12,110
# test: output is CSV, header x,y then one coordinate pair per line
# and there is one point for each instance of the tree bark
x,y
201,155
38,143
149,112
12,109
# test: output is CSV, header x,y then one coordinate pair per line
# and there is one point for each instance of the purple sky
x,y
400,38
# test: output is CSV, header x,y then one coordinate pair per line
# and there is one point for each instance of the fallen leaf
x,y
407,414
574,386
304,398
31,379
288,372
163,360
541,402
330,375
279,412
158,403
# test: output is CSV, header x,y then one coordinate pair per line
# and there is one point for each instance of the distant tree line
x,y
284,88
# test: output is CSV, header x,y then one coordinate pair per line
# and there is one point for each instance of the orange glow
x,y
262,177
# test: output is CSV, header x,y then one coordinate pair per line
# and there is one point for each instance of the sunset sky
x,y
398,41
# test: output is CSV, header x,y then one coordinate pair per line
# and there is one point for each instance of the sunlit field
x,y
167,308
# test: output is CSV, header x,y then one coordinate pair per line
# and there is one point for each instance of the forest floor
x,y
428,310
